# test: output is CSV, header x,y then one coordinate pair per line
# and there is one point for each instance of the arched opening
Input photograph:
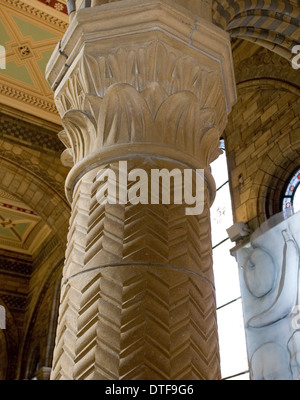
x,y
291,194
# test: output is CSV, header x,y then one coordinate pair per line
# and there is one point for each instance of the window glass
x,y
219,170
232,339
233,353
226,274
296,202
221,215
291,198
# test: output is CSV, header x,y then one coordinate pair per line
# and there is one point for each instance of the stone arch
x,y
273,25
276,179
40,186
262,154
37,190
266,64
278,164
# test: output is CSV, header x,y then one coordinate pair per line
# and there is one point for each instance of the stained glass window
x,y
291,197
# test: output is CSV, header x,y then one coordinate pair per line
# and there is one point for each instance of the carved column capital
x,y
155,81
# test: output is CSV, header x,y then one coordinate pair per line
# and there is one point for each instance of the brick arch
x,y
280,162
276,177
37,189
41,188
274,25
263,146
268,65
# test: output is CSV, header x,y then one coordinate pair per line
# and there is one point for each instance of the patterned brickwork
x,y
262,136
34,136
14,302
16,266
273,24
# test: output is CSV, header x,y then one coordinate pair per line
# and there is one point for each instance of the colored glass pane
x,y
291,198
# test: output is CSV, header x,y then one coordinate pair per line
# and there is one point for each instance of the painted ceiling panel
x,y
4,36
21,230
44,60
30,29
29,32
17,72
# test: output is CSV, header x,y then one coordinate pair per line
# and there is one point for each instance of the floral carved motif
x,y
154,94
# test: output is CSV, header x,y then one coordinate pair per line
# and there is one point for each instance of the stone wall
x,y
263,133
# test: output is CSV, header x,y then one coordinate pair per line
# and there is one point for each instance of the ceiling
x,y
29,32
22,231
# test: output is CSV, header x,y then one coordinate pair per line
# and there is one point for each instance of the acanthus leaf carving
x,y
154,62
185,125
81,131
154,94
92,105
67,158
124,116
63,137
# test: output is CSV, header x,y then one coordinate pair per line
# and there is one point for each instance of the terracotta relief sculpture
x,y
269,273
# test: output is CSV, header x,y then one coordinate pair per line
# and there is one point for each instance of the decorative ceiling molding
x,y
29,35
41,11
21,229
33,136
15,266
58,5
40,172
14,302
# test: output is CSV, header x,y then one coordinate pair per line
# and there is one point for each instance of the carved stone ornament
x,y
269,276
155,78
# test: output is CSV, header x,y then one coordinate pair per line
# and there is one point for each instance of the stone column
x,y
150,83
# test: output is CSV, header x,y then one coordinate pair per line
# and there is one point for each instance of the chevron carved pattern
x,y
138,300
138,322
